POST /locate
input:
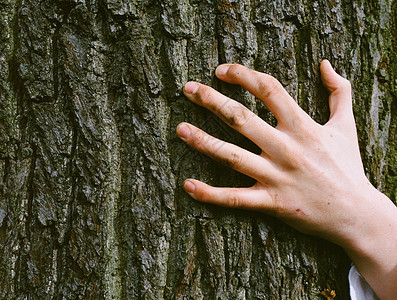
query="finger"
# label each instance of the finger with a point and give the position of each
(253, 198)
(266, 88)
(340, 98)
(228, 154)
(235, 115)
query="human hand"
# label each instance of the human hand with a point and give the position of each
(309, 175)
(306, 172)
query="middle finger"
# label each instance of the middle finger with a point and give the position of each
(235, 115)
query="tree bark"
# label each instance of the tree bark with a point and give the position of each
(91, 204)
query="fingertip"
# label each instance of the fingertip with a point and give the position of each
(233, 73)
(190, 187)
(328, 75)
(190, 87)
(325, 63)
(221, 70)
(326, 67)
(183, 130)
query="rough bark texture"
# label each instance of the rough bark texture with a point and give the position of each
(91, 168)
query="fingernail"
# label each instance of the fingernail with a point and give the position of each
(183, 131)
(326, 61)
(191, 87)
(221, 70)
(189, 186)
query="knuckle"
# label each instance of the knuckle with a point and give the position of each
(239, 116)
(234, 160)
(198, 140)
(343, 85)
(275, 207)
(308, 133)
(234, 71)
(233, 199)
(204, 94)
(268, 85)
(291, 155)
(299, 123)
(204, 195)
(295, 160)
(346, 84)
(291, 160)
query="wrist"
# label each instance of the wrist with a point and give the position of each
(375, 227)
(373, 246)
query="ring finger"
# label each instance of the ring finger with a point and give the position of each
(228, 154)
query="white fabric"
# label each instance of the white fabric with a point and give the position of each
(359, 288)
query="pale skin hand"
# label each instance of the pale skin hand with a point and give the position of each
(309, 175)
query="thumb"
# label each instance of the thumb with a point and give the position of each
(340, 98)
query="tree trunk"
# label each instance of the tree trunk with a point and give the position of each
(91, 204)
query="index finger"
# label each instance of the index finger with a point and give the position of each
(266, 88)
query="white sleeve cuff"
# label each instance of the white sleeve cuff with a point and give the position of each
(359, 288)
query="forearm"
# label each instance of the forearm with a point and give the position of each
(374, 249)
